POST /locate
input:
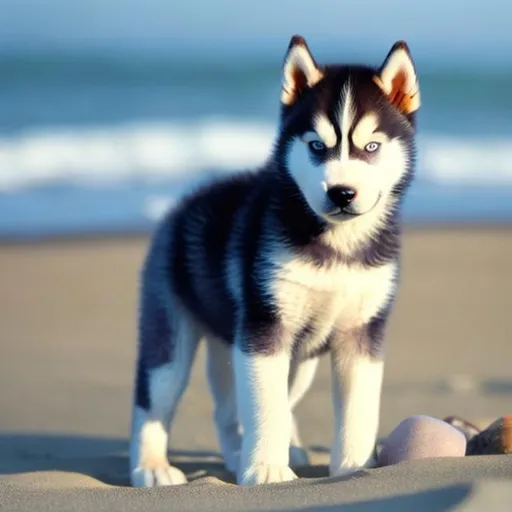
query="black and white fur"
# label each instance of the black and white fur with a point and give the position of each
(278, 266)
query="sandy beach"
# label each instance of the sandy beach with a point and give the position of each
(67, 349)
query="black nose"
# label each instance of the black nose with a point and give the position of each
(341, 196)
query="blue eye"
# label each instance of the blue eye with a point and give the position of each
(317, 146)
(371, 147)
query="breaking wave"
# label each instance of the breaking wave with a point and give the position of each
(149, 151)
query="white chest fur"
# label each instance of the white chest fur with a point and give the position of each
(339, 295)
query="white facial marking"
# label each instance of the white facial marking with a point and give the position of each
(346, 118)
(325, 130)
(364, 131)
(356, 397)
(308, 176)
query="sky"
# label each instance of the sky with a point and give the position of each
(435, 29)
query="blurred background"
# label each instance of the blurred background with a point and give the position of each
(110, 109)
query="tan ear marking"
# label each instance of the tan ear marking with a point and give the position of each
(397, 79)
(300, 70)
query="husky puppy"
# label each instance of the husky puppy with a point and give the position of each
(274, 268)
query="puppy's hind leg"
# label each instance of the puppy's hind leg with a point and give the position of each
(167, 346)
(300, 380)
(219, 369)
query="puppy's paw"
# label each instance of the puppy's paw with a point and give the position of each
(157, 476)
(348, 468)
(298, 456)
(344, 470)
(345, 465)
(266, 474)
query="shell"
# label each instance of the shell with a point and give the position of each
(466, 427)
(496, 439)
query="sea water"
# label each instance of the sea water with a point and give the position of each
(94, 143)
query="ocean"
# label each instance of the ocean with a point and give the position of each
(93, 144)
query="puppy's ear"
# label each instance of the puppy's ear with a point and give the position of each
(300, 71)
(398, 80)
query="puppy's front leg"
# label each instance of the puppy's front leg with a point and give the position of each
(264, 411)
(357, 382)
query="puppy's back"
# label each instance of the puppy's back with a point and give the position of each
(189, 250)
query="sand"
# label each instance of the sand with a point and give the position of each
(67, 349)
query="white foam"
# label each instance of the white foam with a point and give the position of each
(95, 156)
(99, 155)
(469, 161)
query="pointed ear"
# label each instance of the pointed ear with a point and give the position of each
(398, 80)
(300, 71)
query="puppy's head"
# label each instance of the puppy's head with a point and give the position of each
(346, 134)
